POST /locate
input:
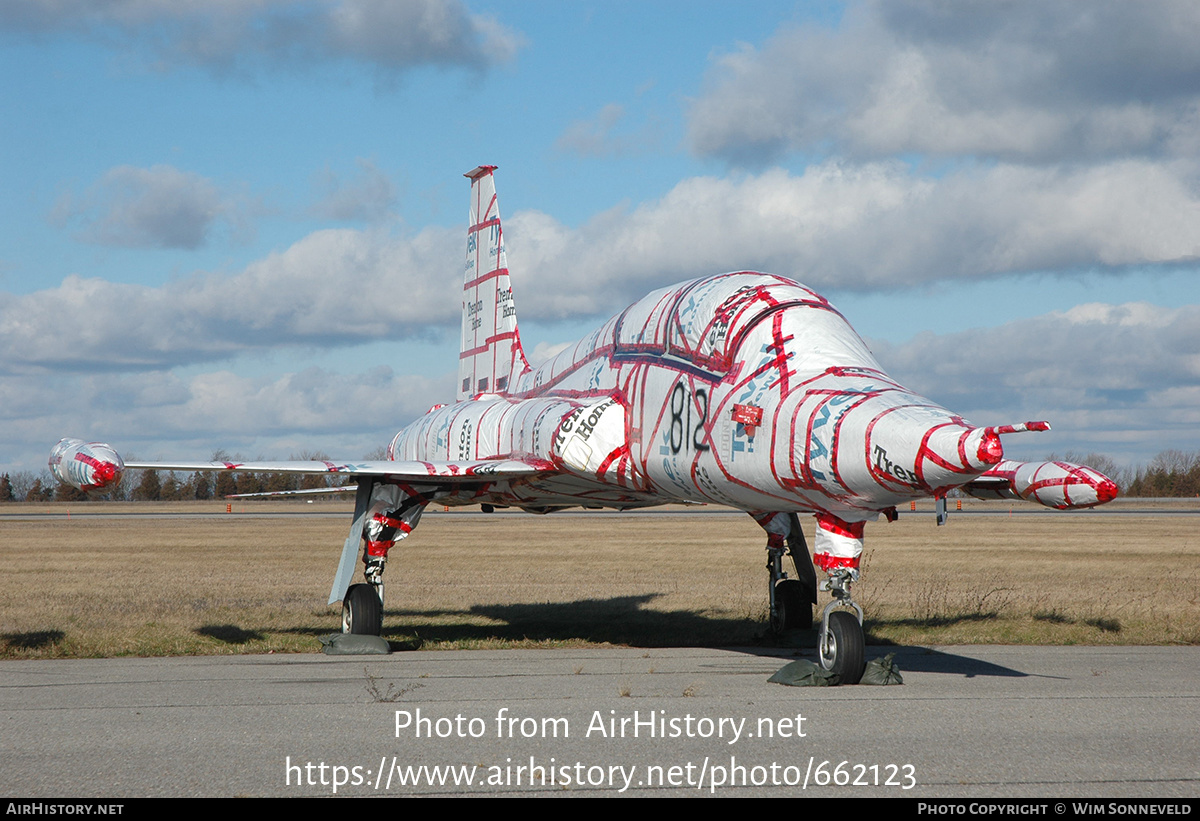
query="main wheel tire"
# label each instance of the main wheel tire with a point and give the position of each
(362, 612)
(844, 653)
(792, 609)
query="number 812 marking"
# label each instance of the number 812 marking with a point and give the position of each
(682, 401)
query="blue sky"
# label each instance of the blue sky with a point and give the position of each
(238, 224)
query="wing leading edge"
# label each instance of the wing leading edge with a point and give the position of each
(483, 469)
(96, 465)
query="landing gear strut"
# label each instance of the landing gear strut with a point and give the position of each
(791, 599)
(384, 514)
(373, 573)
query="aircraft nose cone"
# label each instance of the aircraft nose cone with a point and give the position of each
(915, 449)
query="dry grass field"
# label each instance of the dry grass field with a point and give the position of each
(95, 585)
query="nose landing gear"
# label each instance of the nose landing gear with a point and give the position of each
(841, 645)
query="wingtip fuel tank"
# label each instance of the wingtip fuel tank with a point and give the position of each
(86, 465)
(1060, 485)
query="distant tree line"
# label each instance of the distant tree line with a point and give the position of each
(1171, 473)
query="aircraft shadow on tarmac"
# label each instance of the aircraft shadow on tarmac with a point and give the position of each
(31, 641)
(230, 633)
(616, 620)
(626, 620)
(929, 660)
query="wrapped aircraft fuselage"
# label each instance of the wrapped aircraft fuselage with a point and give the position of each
(744, 389)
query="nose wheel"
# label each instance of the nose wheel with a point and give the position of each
(841, 647)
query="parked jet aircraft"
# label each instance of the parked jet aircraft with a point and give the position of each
(742, 389)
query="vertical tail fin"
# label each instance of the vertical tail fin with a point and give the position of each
(491, 357)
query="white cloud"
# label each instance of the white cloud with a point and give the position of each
(156, 207)
(367, 196)
(1120, 379)
(401, 34)
(242, 35)
(332, 287)
(606, 134)
(1032, 82)
(861, 226)
(545, 351)
(160, 415)
(836, 226)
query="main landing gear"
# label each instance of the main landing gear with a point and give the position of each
(389, 514)
(791, 600)
(362, 609)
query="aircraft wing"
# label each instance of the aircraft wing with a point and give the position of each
(414, 471)
(95, 465)
(298, 492)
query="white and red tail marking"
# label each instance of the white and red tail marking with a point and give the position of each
(491, 358)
